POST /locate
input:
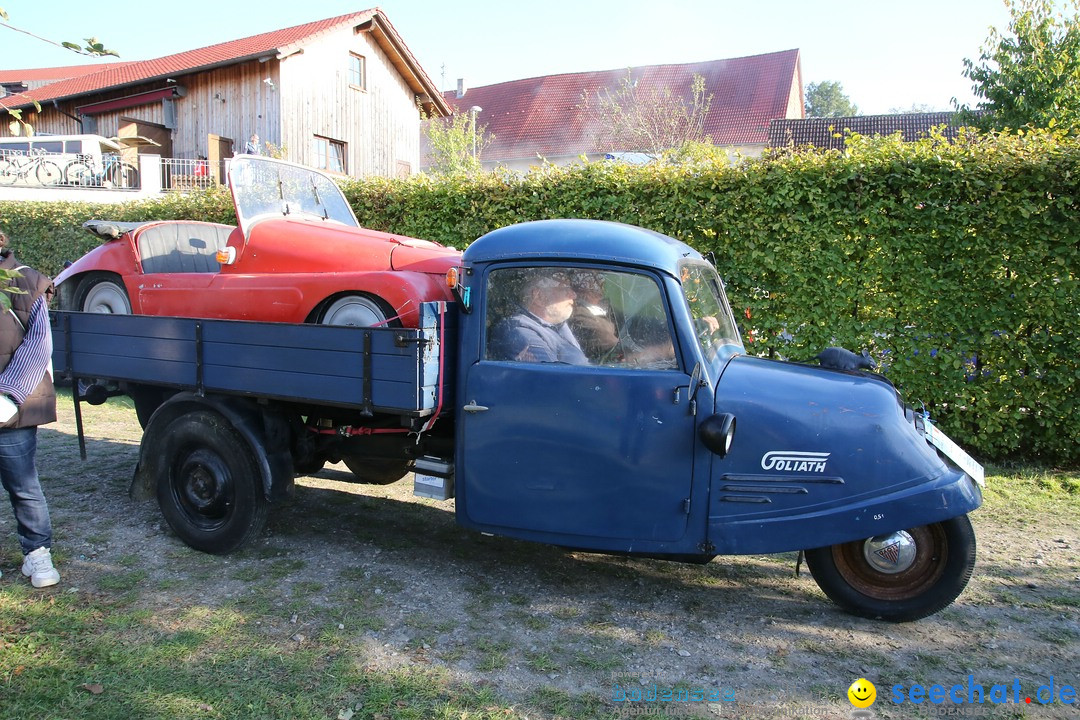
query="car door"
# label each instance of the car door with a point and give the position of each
(594, 442)
(181, 276)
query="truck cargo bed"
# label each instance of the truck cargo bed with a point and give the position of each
(386, 370)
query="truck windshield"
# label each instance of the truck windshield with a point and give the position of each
(713, 322)
(264, 187)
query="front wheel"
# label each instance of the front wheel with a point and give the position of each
(102, 292)
(210, 490)
(901, 576)
(49, 173)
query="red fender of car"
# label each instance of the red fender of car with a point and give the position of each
(115, 256)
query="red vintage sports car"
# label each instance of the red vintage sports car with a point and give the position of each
(298, 255)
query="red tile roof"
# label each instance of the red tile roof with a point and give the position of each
(117, 75)
(542, 116)
(192, 60)
(37, 75)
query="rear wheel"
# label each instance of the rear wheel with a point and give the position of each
(210, 491)
(901, 576)
(102, 292)
(355, 311)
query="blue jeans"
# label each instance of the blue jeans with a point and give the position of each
(18, 472)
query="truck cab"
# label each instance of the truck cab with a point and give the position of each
(606, 402)
(599, 450)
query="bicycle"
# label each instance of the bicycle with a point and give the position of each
(80, 171)
(115, 172)
(17, 167)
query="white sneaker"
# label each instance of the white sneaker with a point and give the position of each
(39, 568)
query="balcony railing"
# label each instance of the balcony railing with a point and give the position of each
(41, 169)
(109, 172)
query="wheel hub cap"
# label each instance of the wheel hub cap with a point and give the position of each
(890, 554)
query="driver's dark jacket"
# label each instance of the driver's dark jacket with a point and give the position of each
(526, 338)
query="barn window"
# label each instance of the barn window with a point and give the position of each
(357, 71)
(330, 155)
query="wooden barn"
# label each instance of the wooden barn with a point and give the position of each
(344, 94)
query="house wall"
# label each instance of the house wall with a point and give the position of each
(381, 125)
(233, 102)
(795, 107)
(48, 121)
(309, 94)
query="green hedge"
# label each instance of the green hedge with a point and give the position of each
(46, 235)
(955, 264)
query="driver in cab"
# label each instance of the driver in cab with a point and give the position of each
(538, 330)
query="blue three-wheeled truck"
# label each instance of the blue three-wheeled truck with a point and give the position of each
(628, 421)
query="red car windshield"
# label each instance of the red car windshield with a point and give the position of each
(263, 187)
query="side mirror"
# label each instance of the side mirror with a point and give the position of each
(717, 433)
(695, 381)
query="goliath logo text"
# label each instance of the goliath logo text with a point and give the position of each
(794, 461)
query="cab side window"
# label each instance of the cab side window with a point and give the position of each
(578, 316)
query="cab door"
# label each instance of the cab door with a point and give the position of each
(597, 443)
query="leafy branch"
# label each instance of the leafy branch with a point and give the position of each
(92, 47)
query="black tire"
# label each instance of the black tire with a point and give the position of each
(210, 490)
(376, 471)
(933, 575)
(101, 292)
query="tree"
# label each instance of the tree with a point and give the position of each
(827, 99)
(92, 47)
(456, 144)
(915, 108)
(644, 118)
(1031, 76)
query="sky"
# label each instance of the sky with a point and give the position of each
(886, 55)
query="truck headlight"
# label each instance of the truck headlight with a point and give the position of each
(717, 433)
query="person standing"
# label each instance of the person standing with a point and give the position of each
(27, 399)
(252, 147)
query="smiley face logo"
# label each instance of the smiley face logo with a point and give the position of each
(862, 693)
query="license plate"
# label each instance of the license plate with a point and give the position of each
(955, 453)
